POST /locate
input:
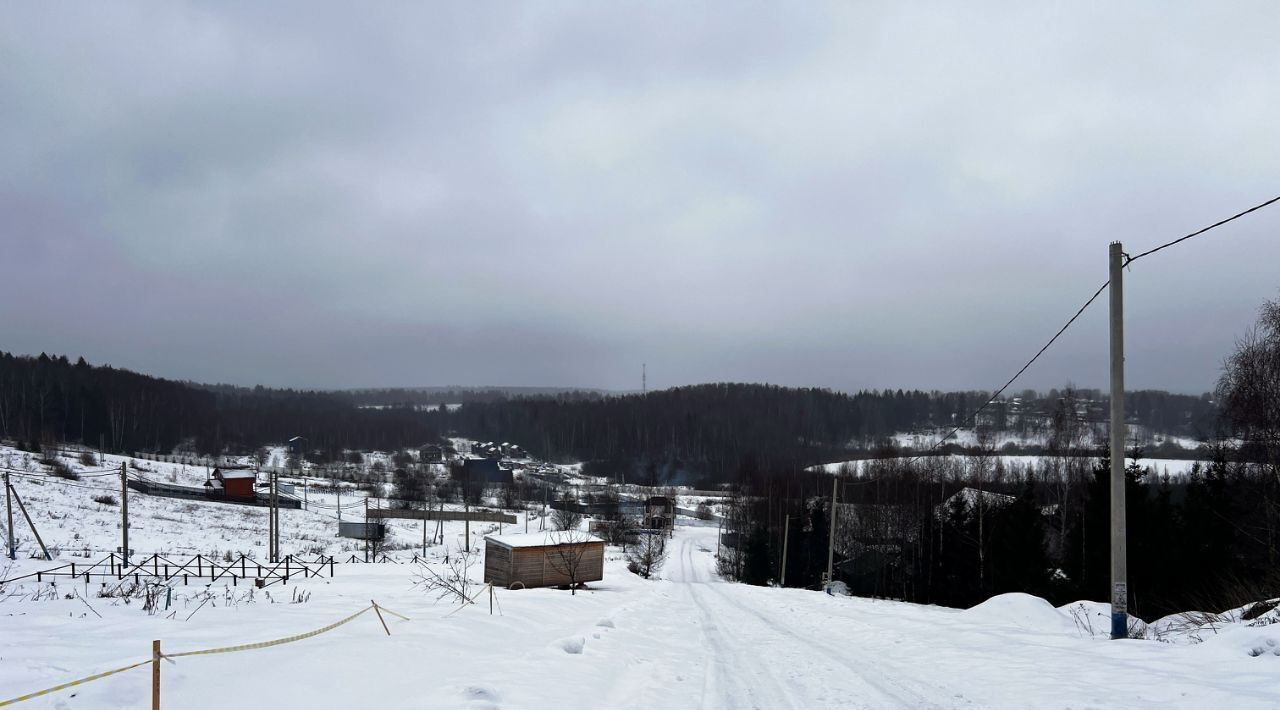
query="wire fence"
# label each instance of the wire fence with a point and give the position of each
(157, 655)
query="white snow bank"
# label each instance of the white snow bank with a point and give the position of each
(1023, 610)
(1261, 642)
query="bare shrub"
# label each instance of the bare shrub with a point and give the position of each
(106, 500)
(61, 470)
(452, 582)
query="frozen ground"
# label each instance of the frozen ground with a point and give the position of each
(687, 640)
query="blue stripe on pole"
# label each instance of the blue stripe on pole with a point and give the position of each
(1119, 626)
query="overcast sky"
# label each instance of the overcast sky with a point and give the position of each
(849, 195)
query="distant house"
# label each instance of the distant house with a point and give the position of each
(659, 512)
(484, 471)
(233, 483)
(545, 559)
(432, 454)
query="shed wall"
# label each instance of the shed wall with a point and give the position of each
(540, 566)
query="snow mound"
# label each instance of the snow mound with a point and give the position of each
(1022, 610)
(1261, 642)
(572, 645)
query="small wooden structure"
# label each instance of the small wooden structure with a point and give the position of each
(234, 483)
(362, 530)
(544, 559)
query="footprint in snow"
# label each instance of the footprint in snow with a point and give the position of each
(482, 697)
(572, 645)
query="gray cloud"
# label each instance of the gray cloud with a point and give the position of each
(869, 195)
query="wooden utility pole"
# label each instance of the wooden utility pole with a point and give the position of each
(30, 524)
(466, 507)
(8, 506)
(831, 538)
(1119, 576)
(786, 534)
(124, 515)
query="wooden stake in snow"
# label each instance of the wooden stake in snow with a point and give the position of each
(155, 675)
(379, 613)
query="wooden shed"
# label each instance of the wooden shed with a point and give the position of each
(544, 559)
(234, 483)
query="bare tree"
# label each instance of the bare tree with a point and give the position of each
(1249, 393)
(645, 557)
(568, 555)
(567, 516)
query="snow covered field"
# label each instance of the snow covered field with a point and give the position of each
(73, 523)
(687, 640)
(919, 441)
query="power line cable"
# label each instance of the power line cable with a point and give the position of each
(1018, 374)
(55, 479)
(1094, 297)
(1198, 232)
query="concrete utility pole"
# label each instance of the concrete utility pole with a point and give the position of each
(786, 534)
(1119, 582)
(831, 539)
(8, 506)
(124, 515)
(275, 522)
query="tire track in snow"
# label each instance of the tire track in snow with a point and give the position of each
(893, 686)
(757, 662)
(734, 673)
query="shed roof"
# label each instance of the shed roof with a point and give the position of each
(543, 539)
(226, 475)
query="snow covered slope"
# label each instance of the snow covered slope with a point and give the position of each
(687, 640)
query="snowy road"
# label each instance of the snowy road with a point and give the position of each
(763, 659)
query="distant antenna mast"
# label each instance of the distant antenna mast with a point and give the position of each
(644, 378)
